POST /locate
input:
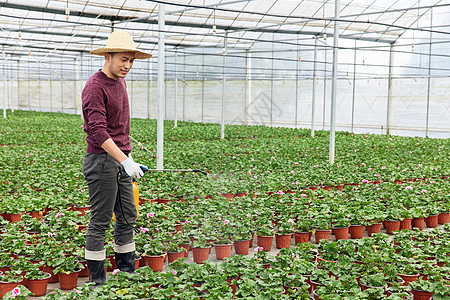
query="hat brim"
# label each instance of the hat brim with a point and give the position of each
(139, 54)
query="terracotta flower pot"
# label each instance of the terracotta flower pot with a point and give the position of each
(302, 237)
(421, 295)
(444, 218)
(54, 278)
(200, 254)
(82, 209)
(241, 247)
(322, 234)
(229, 196)
(233, 286)
(13, 218)
(283, 241)
(39, 286)
(8, 286)
(84, 272)
(405, 223)
(418, 223)
(155, 262)
(356, 231)
(265, 242)
(391, 226)
(432, 221)
(341, 233)
(173, 256)
(36, 214)
(186, 246)
(374, 228)
(222, 251)
(68, 281)
(408, 278)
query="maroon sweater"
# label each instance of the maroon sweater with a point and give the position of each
(106, 113)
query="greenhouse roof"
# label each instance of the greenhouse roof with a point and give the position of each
(73, 26)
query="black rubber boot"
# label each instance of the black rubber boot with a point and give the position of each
(126, 262)
(97, 272)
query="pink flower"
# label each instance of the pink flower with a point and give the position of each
(420, 165)
(174, 272)
(315, 166)
(249, 215)
(115, 271)
(424, 191)
(16, 292)
(410, 152)
(303, 195)
(280, 192)
(409, 187)
(79, 292)
(144, 230)
(292, 172)
(226, 222)
(390, 139)
(252, 159)
(363, 164)
(59, 215)
(257, 249)
(370, 169)
(290, 221)
(404, 170)
(53, 160)
(378, 189)
(272, 157)
(296, 163)
(187, 222)
(383, 168)
(365, 181)
(150, 215)
(432, 181)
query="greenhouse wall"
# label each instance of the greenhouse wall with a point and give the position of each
(266, 102)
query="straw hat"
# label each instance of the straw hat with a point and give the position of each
(121, 41)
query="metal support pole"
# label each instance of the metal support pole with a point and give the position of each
(324, 88)
(203, 84)
(429, 74)
(334, 83)
(271, 81)
(388, 109)
(62, 85)
(248, 85)
(184, 82)
(176, 90)
(313, 102)
(354, 88)
(4, 82)
(39, 84)
(77, 77)
(297, 71)
(224, 82)
(150, 84)
(161, 88)
(29, 84)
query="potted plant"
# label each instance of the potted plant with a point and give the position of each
(9, 280)
(302, 230)
(264, 232)
(200, 248)
(241, 239)
(284, 233)
(68, 269)
(433, 287)
(153, 252)
(37, 281)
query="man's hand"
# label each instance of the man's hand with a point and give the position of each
(133, 169)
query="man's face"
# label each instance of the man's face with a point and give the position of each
(119, 64)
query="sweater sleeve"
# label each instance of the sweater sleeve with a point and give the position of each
(95, 108)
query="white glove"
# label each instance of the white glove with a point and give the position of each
(133, 169)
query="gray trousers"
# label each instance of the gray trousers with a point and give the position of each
(105, 185)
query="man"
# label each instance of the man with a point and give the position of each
(108, 166)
